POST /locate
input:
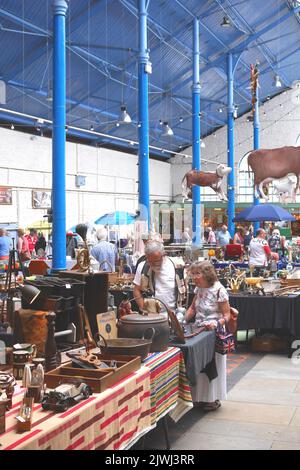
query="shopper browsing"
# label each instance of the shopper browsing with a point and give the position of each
(210, 307)
(157, 276)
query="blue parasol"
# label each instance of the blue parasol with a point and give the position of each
(263, 213)
(116, 218)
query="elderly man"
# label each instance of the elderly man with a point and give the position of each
(260, 252)
(223, 236)
(104, 252)
(157, 275)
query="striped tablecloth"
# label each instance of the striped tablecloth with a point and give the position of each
(170, 390)
(109, 420)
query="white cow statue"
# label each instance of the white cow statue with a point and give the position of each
(285, 188)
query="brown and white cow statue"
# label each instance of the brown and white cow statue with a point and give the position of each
(270, 164)
(205, 178)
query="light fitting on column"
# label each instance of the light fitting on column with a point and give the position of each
(124, 117)
(167, 130)
(12, 127)
(202, 143)
(277, 81)
(235, 112)
(225, 23)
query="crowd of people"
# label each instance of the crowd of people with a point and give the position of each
(28, 245)
(272, 239)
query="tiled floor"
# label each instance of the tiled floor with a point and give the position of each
(262, 410)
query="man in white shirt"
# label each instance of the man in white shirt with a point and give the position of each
(260, 252)
(156, 275)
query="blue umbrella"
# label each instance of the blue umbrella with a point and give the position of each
(262, 213)
(116, 218)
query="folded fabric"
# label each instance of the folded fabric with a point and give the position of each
(211, 370)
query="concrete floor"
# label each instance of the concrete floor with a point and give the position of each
(262, 410)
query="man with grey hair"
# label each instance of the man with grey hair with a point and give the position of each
(104, 251)
(156, 275)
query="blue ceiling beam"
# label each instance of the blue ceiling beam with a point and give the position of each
(262, 47)
(236, 49)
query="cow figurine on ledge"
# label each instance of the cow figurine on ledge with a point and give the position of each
(205, 178)
(270, 164)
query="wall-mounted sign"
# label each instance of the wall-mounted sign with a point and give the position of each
(5, 195)
(41, 199)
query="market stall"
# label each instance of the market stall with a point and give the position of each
(111, 420)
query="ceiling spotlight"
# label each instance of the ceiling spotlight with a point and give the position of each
(268, 98)
(202, 143)
(92, 128)
(124, 117)
(12, 127)
(117, 124)
(225, 22)
(277, 81)
(181, 119)
(250, 118)
(167, 130)
(220, 110)
(160, 122)
(214, 135)
(139, 124)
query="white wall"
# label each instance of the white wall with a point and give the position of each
(279, 126)
(111, 176)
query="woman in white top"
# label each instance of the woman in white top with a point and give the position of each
(210, 307)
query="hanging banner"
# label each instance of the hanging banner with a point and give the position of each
(5, 195)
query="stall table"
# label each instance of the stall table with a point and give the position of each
(111, 420)
(267, 312)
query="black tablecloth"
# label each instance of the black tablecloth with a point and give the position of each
(198, 352)
(260, 312)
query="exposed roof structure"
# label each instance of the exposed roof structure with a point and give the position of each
(102, 53)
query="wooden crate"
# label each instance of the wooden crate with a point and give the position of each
(99, 380)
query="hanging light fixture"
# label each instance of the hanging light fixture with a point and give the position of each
(277, 82)
(167, 130)
(225, 23)
(124, 117)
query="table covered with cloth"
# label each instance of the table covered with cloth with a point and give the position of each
(198, 352)
(110, 420)
(267, 312)
(170, 390)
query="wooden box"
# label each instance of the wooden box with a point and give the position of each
(99, 380)
(24, 422)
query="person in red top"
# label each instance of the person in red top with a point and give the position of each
(32, 238)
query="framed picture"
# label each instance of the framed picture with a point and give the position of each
(5, 195)
(41, 199)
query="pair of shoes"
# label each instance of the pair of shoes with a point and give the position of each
(213, 406)
(199, 404)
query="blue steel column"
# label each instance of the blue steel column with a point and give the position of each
(144, 200)
(256, 126)
(230, 147)
(196, 208)
(59, 136)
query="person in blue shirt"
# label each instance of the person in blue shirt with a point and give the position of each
(223, 236)
(5, 244)
(104, 252)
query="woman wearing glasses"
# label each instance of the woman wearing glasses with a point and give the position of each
(209, 308)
